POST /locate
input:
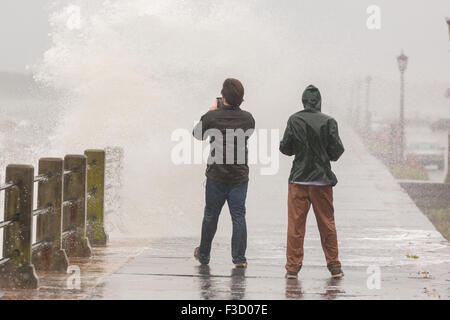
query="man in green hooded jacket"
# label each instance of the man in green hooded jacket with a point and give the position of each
(313, 138)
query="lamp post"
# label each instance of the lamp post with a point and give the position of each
(351, 105)
(367, 111)
(358, 124)
(402, 61)
(448, 23)
(447, 178)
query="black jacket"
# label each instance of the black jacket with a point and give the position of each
(228, 160)
(314, 140)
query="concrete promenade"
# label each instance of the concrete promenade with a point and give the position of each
(379, 229)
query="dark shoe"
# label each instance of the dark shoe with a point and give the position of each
(241, 265)
(291, 275)
(196, 256)
(336, 273)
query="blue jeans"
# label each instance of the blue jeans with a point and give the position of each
(216, 194)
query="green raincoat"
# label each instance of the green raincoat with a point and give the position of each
(314, 140)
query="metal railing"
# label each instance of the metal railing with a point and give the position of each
(10, 220)
(69, 216)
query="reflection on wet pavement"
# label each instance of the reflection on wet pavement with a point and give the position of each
(207, 289)
(238, 283)
(333, 288)
(209, 286)
(294, 289)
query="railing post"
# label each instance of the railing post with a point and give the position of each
(75, 243)
(51, 257)
(96, 197)
(113, 187)
(19, 272)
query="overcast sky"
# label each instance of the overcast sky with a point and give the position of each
(24, 32)
(337, 27)
(335, 43)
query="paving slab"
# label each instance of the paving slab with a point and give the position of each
(380, 231)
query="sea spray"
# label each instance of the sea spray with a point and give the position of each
(134, 71)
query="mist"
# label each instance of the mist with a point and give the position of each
(129, 73)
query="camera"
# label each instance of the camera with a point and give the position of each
(219, 102)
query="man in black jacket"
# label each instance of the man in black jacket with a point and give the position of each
(228, 127)
(313, 138)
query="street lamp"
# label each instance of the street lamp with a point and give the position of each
(447, 178)
(367, 111)
(402, 61)
(358, 123)
(448, 23)
(447, 93)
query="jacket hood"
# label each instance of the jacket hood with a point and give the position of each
(312, 100)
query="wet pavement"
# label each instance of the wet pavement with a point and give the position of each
(155, 276)
(83, 275)
(380, 230)
(382, 236)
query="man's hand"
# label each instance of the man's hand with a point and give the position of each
(214, 107)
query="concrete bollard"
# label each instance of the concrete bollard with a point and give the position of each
(51, 257)
(75, 242)
(96, 197)
(114, 220)
(447, 178)
(18, 271)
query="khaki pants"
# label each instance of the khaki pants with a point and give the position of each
(300, 198)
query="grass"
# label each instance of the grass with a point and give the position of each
(406, 172)
(410, 169)
(441, 220)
